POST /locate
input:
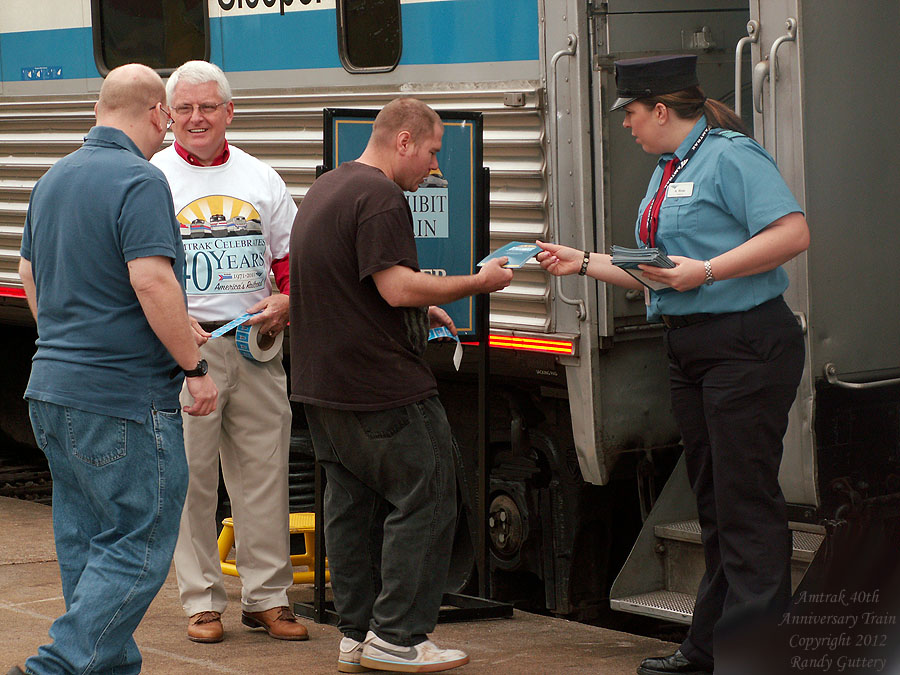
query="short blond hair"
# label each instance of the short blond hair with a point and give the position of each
(404, 114)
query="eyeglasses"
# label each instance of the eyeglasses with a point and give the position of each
(169, 120)
(204, 108)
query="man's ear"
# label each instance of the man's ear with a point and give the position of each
(157, 120)
(404, 141)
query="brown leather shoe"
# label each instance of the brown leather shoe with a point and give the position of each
(206, 627)
(279, 622)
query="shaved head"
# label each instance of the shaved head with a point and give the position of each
(130, 90)
(130, 99)
(404, 114)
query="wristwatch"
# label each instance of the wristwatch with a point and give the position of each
(199, 371)
(707, 268)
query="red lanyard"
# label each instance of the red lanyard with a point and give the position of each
(650, 219)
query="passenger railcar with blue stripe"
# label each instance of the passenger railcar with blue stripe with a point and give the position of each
(582, 436)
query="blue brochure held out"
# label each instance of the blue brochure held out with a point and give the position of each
(518, 253)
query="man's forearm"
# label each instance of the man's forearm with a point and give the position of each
(424, 289)
(401, 286)
(162, 300)
(171, 325)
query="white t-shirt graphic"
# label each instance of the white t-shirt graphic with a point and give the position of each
(235, 220)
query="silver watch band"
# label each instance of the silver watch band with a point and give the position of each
(707, 267)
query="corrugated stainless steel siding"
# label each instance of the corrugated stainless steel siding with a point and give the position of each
(286, 131)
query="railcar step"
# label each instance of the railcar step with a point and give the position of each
(661, 604)
(807, 538)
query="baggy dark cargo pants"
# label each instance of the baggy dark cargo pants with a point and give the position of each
(390, 513)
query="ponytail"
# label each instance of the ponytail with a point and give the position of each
(692, 102)
(720, 115)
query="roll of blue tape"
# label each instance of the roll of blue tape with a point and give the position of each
(252, 347)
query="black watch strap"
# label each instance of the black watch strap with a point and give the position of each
(199, 371)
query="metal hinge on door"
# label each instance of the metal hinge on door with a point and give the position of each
(595, 7)
(597, 27)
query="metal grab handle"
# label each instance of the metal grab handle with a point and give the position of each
(791, 26)
(752, 37)
(554, 163)
(832, 377)
(760, 73)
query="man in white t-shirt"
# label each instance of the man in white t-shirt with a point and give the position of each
(236, 216)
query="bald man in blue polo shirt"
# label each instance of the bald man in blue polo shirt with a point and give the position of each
(102, 266)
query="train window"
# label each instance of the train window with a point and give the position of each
(369, 35)
(162, 34)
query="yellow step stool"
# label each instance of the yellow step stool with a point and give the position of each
(300, 523)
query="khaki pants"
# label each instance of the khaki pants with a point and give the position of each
(250, 433)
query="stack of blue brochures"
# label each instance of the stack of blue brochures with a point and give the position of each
(629, 259)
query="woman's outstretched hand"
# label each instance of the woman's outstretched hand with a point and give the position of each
(559, 260)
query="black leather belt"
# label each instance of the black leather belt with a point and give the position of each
(210, 326)
(682, 320)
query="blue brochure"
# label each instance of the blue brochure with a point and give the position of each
(518, 253)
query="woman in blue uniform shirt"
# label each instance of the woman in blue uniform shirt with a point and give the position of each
(719, 208)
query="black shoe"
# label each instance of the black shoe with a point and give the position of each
(673, 663)
(15, 670)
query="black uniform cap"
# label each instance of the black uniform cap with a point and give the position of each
(653, 75)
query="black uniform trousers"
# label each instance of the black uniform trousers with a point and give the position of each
(733, 380)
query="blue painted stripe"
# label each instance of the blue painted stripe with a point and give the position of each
(470, 31)
(463, 31)
(66, 53)
(296, 40)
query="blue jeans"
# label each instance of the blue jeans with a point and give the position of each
(390, 514)
(118, 490)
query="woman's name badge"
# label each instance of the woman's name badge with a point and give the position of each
(679, 190)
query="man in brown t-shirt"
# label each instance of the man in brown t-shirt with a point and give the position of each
(360, 313)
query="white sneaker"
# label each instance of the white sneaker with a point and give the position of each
(348, 661)
(425, 657)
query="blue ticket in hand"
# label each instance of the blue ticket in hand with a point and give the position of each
(444, 332)
(518, 253)
(441, 332)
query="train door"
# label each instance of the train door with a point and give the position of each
(622, 29)
(827, 121)
(776, 110)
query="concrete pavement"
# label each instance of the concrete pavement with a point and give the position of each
(31, 597)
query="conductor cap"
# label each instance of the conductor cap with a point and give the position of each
(653, 75)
